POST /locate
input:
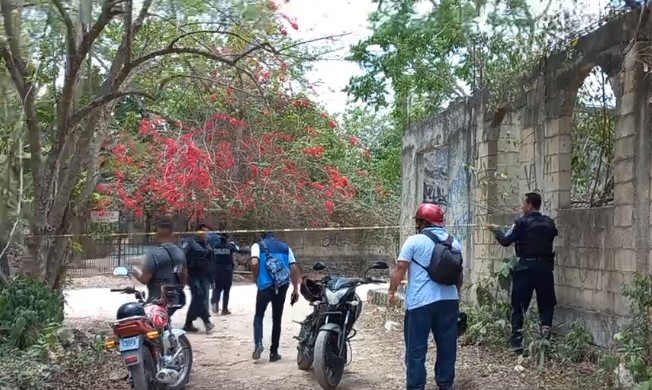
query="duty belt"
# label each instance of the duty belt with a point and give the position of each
(534, 259)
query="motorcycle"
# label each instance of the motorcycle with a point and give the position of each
(157, 356)
(324, 338)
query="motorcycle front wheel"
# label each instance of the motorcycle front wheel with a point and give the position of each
(186, 363)
(329, 369)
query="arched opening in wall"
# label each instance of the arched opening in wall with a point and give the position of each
(592, 141)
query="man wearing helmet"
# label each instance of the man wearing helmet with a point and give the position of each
(532, 235)
(430, 306)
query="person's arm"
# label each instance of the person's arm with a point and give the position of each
(149, 265)
(255, 259)
(510, 236)
(294, 270)
(402, 265)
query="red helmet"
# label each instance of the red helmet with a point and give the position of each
(431, 213)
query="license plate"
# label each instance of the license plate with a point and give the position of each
(129, 344)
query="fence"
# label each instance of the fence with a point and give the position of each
(345, 251)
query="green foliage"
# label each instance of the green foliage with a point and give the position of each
(635, 340)
(28, 310)
(592, 135)
(489, 319)
(421, 56)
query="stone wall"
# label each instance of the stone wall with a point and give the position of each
(526, 146)
(346, 252)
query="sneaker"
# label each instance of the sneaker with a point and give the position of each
(225, 312)
(257, 352)
(215, 309)
(190, 328)
(274, 357)
(209, 326)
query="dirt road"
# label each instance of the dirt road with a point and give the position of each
(223, 359)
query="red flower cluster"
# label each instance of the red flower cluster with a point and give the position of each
(202, 170)
(317, 151)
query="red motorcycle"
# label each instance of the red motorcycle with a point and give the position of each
(157, 356)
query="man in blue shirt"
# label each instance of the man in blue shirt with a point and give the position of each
(430, 306)
(270, 291)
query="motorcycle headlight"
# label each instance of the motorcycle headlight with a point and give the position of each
(334, 298)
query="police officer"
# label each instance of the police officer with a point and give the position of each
(198, 256)
(533, 235)
(222, 262)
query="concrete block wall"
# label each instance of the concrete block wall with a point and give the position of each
(600, 249)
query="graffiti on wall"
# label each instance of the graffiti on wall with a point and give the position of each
(435, 177)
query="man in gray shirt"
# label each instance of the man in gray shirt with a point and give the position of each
(164, 266)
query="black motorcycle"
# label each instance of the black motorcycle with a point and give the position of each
(325, 334)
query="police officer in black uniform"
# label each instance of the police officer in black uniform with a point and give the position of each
(198, 257)
(222, 262)
(532, 235)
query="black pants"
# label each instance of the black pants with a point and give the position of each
(199, 290)
(537, 277)
(263, 298)
(223, 279)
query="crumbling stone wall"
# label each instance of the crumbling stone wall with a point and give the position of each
(526, 146)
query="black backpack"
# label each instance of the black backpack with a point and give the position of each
(445, 265)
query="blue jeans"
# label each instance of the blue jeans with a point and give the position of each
(277, 298)
(440, 318)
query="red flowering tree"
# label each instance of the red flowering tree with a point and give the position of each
(241, 144)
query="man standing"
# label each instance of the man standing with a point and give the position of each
(274, 267)
(164, 266)
(533, 235)
(198, 254)
(222, 261)
(431, 307)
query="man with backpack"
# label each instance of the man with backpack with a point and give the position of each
(434, 260)
(274, 267)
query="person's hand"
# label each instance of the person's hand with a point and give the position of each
(491, 227)
(295, 297)
(392, 299)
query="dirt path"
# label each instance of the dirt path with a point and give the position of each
(223, 359)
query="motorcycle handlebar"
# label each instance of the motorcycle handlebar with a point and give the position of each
(126, 290)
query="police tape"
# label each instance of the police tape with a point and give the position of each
(248, 231)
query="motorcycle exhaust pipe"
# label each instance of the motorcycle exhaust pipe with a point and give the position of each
(167, 376)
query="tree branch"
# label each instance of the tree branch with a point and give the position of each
(70, 34)
(195, 77)
(16, 66)
(75, 58)
(128, 68)
(97, 102)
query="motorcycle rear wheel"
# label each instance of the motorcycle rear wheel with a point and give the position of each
(142, 374)
(328, 369)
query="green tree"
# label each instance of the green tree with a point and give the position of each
(421, 56)
(70, 63)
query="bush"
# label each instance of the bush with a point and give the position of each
(28, 309)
